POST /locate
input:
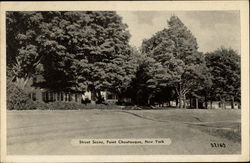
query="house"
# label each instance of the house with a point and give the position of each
(45, 95)
(218, 105)
(107, 96)
(38, 93)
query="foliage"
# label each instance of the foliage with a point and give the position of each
(150, 79)
(69, 106)
(176, 49)
(224, 66)
(22, 52)
(17, 98)
(89, 51)
(71, 50)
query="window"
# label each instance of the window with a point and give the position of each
(61, 96)
(58, 96)
(34, 96)
(66, 96)
(47, 96)
(70, 98)
(110, 96)
(51, 96)
(75, 97)
(43, 96)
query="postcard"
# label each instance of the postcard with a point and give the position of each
(125, 81)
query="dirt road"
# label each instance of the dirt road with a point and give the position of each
(51, 132)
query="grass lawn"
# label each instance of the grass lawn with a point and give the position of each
(191, 130)
(222, 123)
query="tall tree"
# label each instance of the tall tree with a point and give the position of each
(176, 49)
(22, 52)
(224, 65)
(105, 60)
(149, 80)
(81, 51)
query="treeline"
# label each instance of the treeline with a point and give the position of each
(89, 51)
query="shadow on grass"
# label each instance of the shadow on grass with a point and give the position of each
(230, 131)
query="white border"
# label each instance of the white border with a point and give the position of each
(242, 6)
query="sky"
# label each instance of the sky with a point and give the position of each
(212, 29)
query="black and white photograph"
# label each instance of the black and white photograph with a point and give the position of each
(123, 82)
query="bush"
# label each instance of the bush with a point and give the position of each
(41, 105)
(86, 101)
(64, 106)
(102, 106)
(132, 108)
(18, 99)
(71, 106)
(57, 105)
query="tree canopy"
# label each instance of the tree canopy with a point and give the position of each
(90, 51)
(72, 50)
(224, 66)
(176, 49)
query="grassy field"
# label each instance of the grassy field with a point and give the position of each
(192, 131)
(222, 123)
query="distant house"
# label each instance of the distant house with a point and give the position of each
(46, 95)
(218, 105)
(107, 96)
(38, 93)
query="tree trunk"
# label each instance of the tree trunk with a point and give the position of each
(196, 103)
(176, 101)
(149, 99)
(137, 98)
(232, 97)
(180, 101)
(211, 104)
(99, 96)
(184, 101)
(93, 96)
(222, 103)
(206, 102)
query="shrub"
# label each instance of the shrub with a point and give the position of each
(132, 108)
(64, 105)
(70, 106)
(86, 101)
(18, 99)
(41, 105)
